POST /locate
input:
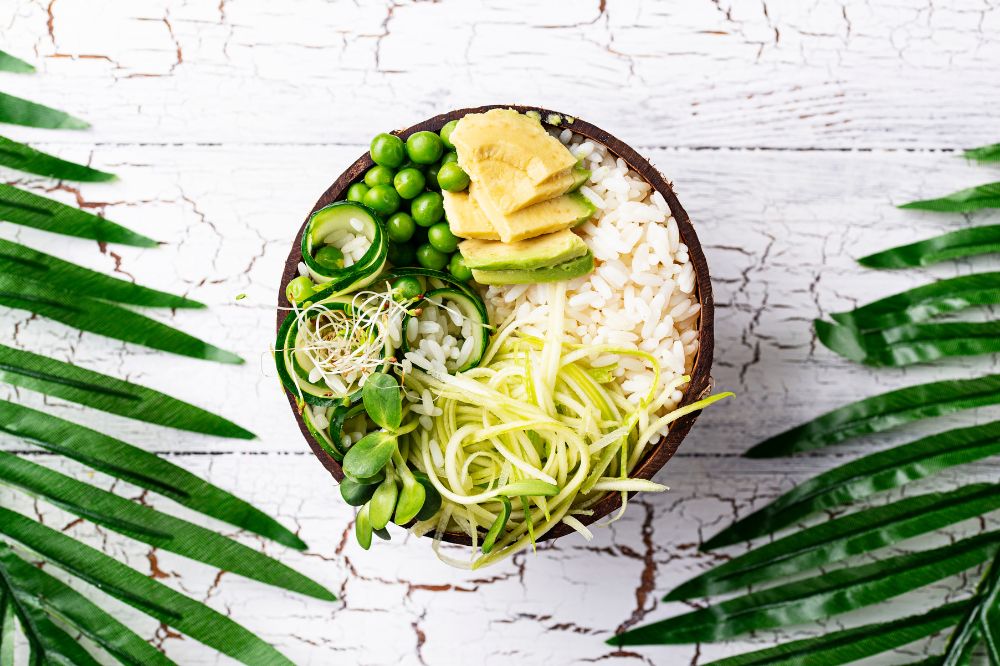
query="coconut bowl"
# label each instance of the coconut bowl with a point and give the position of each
(658, 455)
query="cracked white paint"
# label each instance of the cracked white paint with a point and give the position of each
(227, 121)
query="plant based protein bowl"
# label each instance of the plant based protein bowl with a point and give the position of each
(494, 329)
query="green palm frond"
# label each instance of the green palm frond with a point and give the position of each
(9, 63)
(109, 394)
(89, 314)
(61, 623)
(18, 156)
(30, 210)
(26, 262)
(893, 331)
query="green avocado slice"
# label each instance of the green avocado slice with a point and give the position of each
(566, 270)
(539, 252)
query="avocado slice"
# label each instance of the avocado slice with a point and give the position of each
(566, 270)
(465, 218)
(580, 175)
(562, 212)
(541, 252)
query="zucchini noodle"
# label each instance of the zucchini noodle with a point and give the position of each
(536, 409)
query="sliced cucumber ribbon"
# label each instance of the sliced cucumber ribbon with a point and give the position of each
(344, 217)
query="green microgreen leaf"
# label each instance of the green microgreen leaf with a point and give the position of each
(17, 111)
(93, 389)
(528, 487)
(498, 525)
(54, 272)
(9, 63)
(963, 201)
(850, 645)
(383, 502)
(8, 627)
(910, 343)
(363, 528)
(952, 245)
(383, 400)
(18, 156)
(153, 527)
(35, 589)
(984, 154)
(874, 473)
(882, 412)
(88, 314)
(922, 303)
(356, 493)
(30, 210)
(369, 456)
(834, 540)
(432, 498)
(141, 468)
(825, 595)
(412, 496)
(140, 591)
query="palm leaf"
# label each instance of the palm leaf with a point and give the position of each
(963, 201)
(979, 621)
(87, 314)
(953, 245)
(140, 468)
(911, 343)
(153, 527)
(147, 595)
(822, 596)
(17, 111)
(874, 473)
(48, 643)
(66, 276)
(9, 63)
(924, 302)
(25, 158)
(8, 626)
(93, 389)
(989, 153)
(850, 645)
(30, 210)
(44, 595)
(843, 537)
(882, 412)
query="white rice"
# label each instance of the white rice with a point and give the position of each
(641, 295)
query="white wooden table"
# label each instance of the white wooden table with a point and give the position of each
(789, 129)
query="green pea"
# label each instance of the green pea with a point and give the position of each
(429, 257)
(427, 209)
(424, 147)
(441, 238)
(432, 177)
(400, 227)
(357, 192)
(452, 177)
(378, 175)
(407, 288)
(458, 268)
(299, 289)
(450, 156)
(409, 182)
(402, 254)
(382, 199)
(446, 131)
(387, 150)
(330, 257)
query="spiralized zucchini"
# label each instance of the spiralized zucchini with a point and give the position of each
(536, 421)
